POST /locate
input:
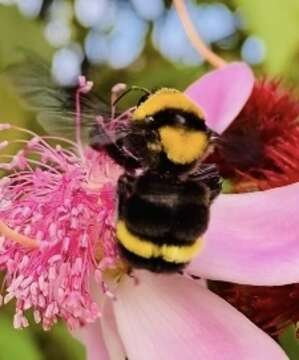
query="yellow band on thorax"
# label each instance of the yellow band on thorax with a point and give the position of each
(147, 249)
(164, 99)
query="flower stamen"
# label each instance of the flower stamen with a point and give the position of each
(53, 216)
(83, 88)
(18, 238)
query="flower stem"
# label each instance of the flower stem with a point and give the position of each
(194, 37)
(16, 237)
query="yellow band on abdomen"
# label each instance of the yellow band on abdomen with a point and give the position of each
(147, 249)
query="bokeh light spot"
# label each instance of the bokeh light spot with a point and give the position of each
(58, 33)
(29, 8)
(149, 10)
(66, 66)
(253, 50)
(90, 12)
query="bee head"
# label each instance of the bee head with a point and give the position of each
(178, 123)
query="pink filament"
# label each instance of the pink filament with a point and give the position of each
(17, 238)
(57, 209)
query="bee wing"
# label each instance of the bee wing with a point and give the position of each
(62, 123)
(58, 123)
(209, 175)
(55, 106)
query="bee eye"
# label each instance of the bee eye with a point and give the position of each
(149, 120)
(180, 120)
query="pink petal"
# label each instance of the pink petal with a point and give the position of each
(222, 94)
(92, 338)
(171, 317)
(111, 336)
(101, 339)
(253, 238)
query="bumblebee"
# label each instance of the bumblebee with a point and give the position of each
(166, 191)
(164, 211)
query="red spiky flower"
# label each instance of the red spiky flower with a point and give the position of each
(271, 308)
(260, 149)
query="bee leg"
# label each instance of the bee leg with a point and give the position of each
(133, 277)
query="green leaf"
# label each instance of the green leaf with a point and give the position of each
(70, 348)
(290, 343)
(16, 344)
(276, 22)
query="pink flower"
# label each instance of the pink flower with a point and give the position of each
(172, 317)
(64, 207)
(67, 204)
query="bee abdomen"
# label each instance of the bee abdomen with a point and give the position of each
(161, 221)
(147, 253)
(157, 265)
(167, 217)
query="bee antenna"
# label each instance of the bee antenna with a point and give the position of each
(130, 89)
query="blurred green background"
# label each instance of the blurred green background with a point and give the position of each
(140, 43)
